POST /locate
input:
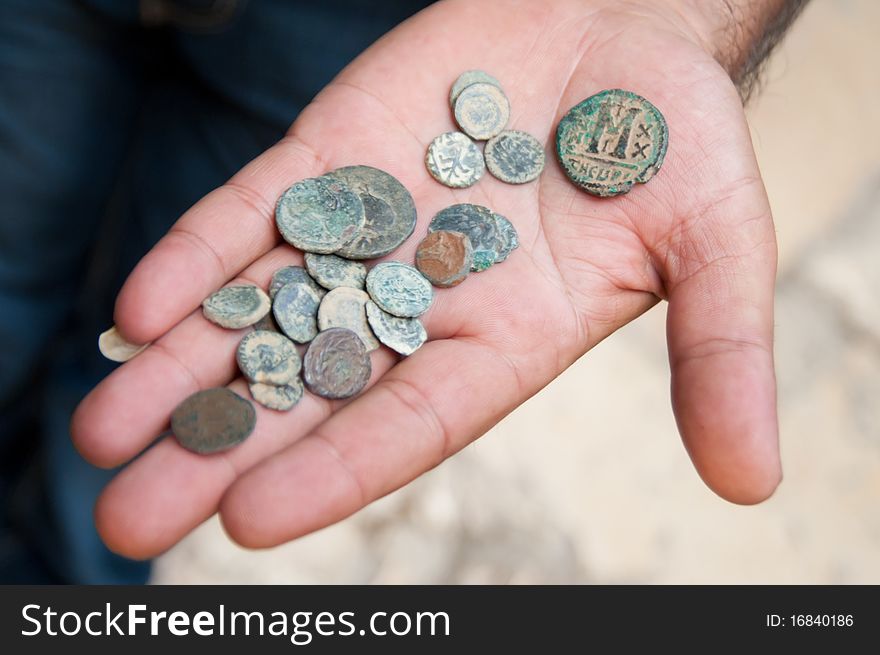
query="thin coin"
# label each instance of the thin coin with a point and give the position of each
(290, 274)
(478, 223)
(319, 214)
(115, 348)
(482, 111)
(403, 335)
(213, 420)
(345, 307)
(280, 398)
(514, 157)
(509, 237)
(466, 79)
(296, 311)
(268, 357)
(237, 306)
(399, 289)
(444, 258)
(331, 271)
(611, 141)
(389, 210)
(336, 364)
(454, 160)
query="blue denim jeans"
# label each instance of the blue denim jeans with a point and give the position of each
(115, 117)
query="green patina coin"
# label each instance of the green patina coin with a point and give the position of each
(399, 289)
(319, 214)
(296, 310)
(468, 78)
(509, 237)
(402, 335)
(454, 160)
(213, 420)
(290, 274)
(268, 357)
(389, 210)
(479, 225)
(345, 307)
(514, 157)
(331, 271)
(336, 364)
(236, 307)
(277, 397)
(610, 141)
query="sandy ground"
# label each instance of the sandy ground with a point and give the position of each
(588, 481)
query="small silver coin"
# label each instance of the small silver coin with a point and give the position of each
(331, 271)
(480, 226)
(514, 157)
(280, 398)
(237, 306)
(290, 274)
(345, 307)
(509, 237)
(454, 160)
(319, 214)
(402, 335)
(296, 311)
(482, 111)
(466, 79)
(336, 365)
(268, 357)
(213, 420)
(399, 289)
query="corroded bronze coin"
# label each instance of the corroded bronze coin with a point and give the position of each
(509, 237)
(115, 348)
(290, 274)
(331, 271)
(478, 223)
(280, 398)
(445, 258)
(296, 311)
(454, 160)
(482, 111)
(389, 209)
(403, 335)
(319, 214)
(344, 307)
(610, 141)
(236, 307)
(514, 157)
(213, 420)
(268, 357)
(267, 323)
(466, 79)
(336, 364)
(399, 289)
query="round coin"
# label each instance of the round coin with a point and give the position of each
(331, 271)
(509, 237)
(115, 348)
(514, 157)
(610, 141)
(296, 310)
(482, 111)
(344, 307)
(399, 289)
(281, 398)
(268, 357)
(319, 214)
(389, 210)
(480, 226)
(454, 160)
(237, 306)
(213, 420)
(444, 258)
(336, 364)
(403, 335)
(466, 79)
(290, 274)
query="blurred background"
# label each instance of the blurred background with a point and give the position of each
(588, 482)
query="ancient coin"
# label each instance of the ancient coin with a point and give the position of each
(344, 307)
(213, 420)
(482, 111)
(267, 323)
(268, 357)
(237, 306)
(399, 289)
(610, 141)
(331, 271)
(336, 365)
(514, 157)
(509, 237)
(290, 274)
(278, 397)
(445, 258)
(319, 214)
(454, 160)
(403, 335)
(466, 79)
(389, 209)
(115, 348)
(296, 311)
(478, 223)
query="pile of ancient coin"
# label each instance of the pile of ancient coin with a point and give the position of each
(481, 110)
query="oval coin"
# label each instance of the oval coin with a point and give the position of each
(115, 348)
(280, 398)
(509, 237)
(336, 364)
(402, 335)
(444, 258)
(319, 214)
(399, 289)
(482, 111)
(290, 274)
(236, 306)
(268, 357)
(344, 307)
(213, 420)
(514, 157)
(331, 271)
(296, 311)
(454, 160)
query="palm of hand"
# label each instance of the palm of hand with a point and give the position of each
(699, 234)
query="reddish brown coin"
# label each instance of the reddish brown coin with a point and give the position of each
(445, 258)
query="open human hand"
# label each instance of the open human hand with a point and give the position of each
(699, 235)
